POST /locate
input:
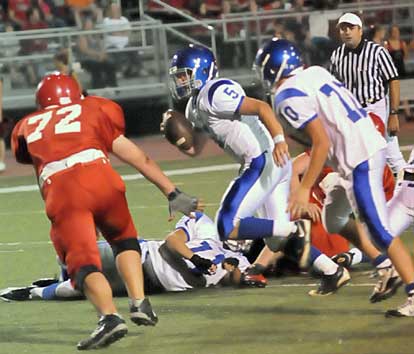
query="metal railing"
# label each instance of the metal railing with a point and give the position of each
(152, 44)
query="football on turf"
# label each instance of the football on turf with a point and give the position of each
(178, 130)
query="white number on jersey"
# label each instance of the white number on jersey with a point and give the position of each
(65, 125)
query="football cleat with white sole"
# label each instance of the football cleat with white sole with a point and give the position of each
(405, 310)
(142, 314)
(110, 329)
(331, 283)
(388, 283)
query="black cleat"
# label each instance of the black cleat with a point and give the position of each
(388, 283)
(43, 282)
(16, 294)
(331, 283)
(110, 329)
(142, 314)
(343, 259)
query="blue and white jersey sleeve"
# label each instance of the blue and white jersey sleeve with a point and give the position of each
(295, 106)
(199, 228)
(222, 97)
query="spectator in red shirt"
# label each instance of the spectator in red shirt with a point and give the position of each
(17, 12)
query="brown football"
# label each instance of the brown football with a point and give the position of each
(178, 130)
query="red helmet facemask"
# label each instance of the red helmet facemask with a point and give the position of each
(57, 89)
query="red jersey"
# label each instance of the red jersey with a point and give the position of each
(57, 132)
(20, 8)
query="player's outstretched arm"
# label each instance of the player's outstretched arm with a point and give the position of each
(130, 153)
(319, 152)
(176, 241)
(299, 199)
(251, 106)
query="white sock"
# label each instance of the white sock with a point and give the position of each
(384, 264)
(283, 229)
(135, 302)
(325, 265)
(357, 255)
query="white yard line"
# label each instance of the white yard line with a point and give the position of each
(131, 207)
(179, 172)
(314, 284)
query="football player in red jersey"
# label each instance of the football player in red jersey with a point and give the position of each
(68, 140)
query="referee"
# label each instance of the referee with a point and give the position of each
(368, 71)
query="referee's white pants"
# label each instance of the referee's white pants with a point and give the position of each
(394, 157)
(401, 207)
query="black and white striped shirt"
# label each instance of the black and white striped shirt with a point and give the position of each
(365, 70)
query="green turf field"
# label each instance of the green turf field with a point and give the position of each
(278, 319)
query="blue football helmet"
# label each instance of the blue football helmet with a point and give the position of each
(276, 60)
(190, 70)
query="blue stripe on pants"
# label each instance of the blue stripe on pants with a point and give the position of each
(236, 194)
(367, 208)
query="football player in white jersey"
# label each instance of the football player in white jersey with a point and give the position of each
(201, 239)
(313, 102)
(248, 130)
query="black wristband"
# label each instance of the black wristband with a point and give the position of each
(393, 111)
(173, 194)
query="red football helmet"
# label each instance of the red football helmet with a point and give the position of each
(57, 89)
(379, 124)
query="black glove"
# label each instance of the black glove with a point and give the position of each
(201, 263)
(179, 201)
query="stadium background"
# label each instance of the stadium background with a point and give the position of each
(278, 319)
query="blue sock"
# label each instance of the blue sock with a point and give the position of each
(365, 259)
(381, 258)
(314, 253)
(64, 274)
(49, 292)
(409, 289)
(255, 228)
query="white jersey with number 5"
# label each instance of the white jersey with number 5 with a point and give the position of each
(216, 111)
(315, 93)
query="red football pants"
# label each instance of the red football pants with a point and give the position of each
(78, 200)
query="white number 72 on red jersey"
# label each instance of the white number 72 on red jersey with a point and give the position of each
(65, 125)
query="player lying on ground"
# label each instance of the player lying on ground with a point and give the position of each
(202, 262)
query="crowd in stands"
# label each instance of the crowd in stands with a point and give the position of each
(315, 33)
(111, 56)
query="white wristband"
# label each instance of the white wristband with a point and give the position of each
(278, 138)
